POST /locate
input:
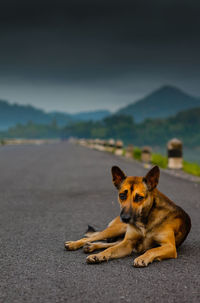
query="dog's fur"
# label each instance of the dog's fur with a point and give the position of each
(150, 223)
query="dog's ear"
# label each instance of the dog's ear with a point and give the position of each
(118, 176)
(152, 177)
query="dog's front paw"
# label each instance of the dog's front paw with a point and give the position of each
(140, 262)
(71, 245)
(95, 259)
(88, 247)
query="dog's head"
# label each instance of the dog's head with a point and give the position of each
(135, 193)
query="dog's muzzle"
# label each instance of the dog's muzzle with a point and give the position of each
(125, 216)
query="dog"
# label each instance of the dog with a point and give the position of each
(149, 223)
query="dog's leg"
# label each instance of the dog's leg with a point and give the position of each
(90, 247)
(122, 249)
(167, 250)
(114, 229)
(159, 253)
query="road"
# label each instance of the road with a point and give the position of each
(49, 194)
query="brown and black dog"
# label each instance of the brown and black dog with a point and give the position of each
(150, 223)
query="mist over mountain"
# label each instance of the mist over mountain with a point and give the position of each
(12, 114)
(162, 103)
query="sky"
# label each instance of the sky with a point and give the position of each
(80, 55)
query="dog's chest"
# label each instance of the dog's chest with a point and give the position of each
(145, 240)
(141, 228)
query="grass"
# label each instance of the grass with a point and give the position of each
(159, 160)
(162, 161)
(191, 168)
(137, 152)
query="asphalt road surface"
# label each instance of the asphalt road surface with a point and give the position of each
(49, 194)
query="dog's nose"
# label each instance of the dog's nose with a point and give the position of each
(125, 217)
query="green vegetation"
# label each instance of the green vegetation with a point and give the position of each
(137, 152)
(191, 168)
(156, 159)
(159, 160)
(113, 151)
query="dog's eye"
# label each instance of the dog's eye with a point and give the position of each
(138, 198)
(123, 196)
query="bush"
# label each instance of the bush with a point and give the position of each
(159, 160)
(191, 168)
(124, 152)
(137, 153)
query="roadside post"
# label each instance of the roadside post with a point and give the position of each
(146, 156)
(175, 154)
(111, 145)
(119, 148)
(129, 151)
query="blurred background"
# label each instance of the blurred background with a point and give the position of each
(127, 70)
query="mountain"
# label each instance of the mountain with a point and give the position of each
(12, 114)
(164, 102)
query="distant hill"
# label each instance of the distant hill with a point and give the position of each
(184, 125)
(164, 102)
(12, 114)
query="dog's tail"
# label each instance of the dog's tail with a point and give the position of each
(90, 231)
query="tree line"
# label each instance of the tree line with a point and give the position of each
(185, 125)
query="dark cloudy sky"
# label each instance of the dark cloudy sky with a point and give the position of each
(76, 55)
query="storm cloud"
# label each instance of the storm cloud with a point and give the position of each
(79, 55)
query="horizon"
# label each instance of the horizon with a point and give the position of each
(101, 109)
